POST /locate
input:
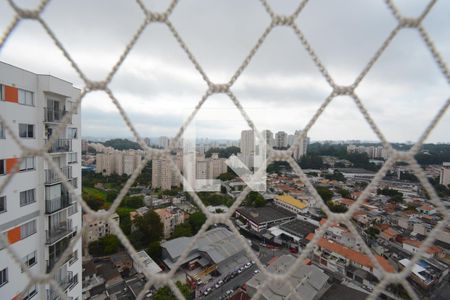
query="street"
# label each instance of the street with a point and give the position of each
(233, 284)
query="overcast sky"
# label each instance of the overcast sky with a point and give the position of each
(281, 88)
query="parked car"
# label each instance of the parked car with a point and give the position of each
(247, 265)
(256, 271)
(229, 292)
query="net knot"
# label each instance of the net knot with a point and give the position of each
(282, 20)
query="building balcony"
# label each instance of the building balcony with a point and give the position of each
(58, 232)
(51, 206)
(51, 177)
(60, 146)
(54, 116)
(66, 282)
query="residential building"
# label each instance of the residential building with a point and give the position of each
(421, 273)
(163, 142)
(117, 162)
(38, 216)
(96, 229)
(346, 261)
(444, 177)
(170, 217)
(163, 176)
(281, 139)
(247, 145)
(302, 147)
(268, 135)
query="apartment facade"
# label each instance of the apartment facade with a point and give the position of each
(38, 216)
(117, 162)
(170, 217)
(97, 229)
(444, 177)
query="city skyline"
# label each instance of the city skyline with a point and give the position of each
(280, 89)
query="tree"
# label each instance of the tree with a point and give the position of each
(106, 245)
(122, 144)
(372, 231)
(133, 202)
(325, 193)
(94, 202)
(336, 176)
(111, 195)
(278, 166)
(255, 199)
(196, 220)
(125, 220)
(183, 229)
(150, 225)
(311, 161)
(336, 208)
(395, 195)
(344, 193)
(223, 152)
(154, 250)
(165, 293)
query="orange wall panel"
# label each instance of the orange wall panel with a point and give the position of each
(14, 235)
(11, 94)
(10, 164)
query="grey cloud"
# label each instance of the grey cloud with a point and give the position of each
(345, 34)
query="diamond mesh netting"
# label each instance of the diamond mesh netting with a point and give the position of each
(150, 18)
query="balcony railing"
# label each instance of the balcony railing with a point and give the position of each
(56, 204)
(59, 231)
(54, 116)
(51, 177)
(60, 146)
(68, 281)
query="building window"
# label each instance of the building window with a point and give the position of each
(72, 133)
(72, 158)
(73, 209)
(2, 204)
(3, 277)
(27, 164)
(27, 197)
(27, 229)
(26, 131)
(30, 293)
(30, 260)
(25, 97)
(2, 131)
(1, 92)
(2, 167)
(74, 257)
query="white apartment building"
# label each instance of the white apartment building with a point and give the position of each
(268, 135)
(444, 178)
(372, 151)
(247, 145)
(38, 216)
(118, 162)
(281, 139)
(170, 217)
(163, 176)
(97, 228)
(303, 146)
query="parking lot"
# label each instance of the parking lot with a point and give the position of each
(217, 289)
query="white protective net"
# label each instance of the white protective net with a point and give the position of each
(273, 155)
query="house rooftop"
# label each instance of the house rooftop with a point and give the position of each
(353, 255)
(288, 199)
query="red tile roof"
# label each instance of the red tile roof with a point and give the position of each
(353, 255)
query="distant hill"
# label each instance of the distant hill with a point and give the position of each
(122, 144)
